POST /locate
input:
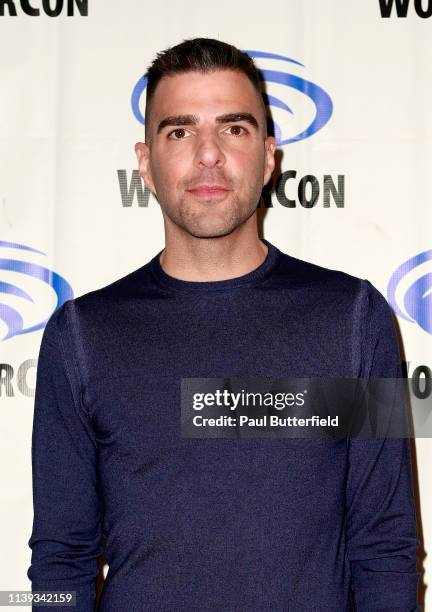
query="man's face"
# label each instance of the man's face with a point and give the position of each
(206, 157)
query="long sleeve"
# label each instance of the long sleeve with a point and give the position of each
(381, 529)
(65, 538)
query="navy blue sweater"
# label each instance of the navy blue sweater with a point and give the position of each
(238, 524)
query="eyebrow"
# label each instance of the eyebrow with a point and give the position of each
(194, 120)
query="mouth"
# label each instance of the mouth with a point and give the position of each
(208, 191)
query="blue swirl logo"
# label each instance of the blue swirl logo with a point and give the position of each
(319, 102)
(11, 316)
(409, 291)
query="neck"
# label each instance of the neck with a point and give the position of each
(211, 259)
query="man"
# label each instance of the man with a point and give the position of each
(214, 523)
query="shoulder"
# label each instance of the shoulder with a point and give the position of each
(310, 283)
(104, 303)
(345, 309)
(87, 322)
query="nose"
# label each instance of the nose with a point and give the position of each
(209, 152)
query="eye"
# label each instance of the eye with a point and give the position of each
(178, 134)
(237, 128)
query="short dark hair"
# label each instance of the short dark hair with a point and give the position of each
(200, 55)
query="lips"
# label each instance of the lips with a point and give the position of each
(208, 190)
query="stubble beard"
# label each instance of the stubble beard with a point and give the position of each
(209, 219)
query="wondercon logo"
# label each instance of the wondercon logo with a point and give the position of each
(20, 285)
(299, 108)
(410, 290)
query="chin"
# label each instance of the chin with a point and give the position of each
(208, 233)
(210, 224)
(210, 230)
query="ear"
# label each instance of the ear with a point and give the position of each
(143, 155)
(269, 161)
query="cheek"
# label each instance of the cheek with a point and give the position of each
(247, 159)
(249, 171)
(168, 170)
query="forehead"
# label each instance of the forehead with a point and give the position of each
(204, 93)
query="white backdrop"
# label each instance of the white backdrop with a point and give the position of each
(67, 127)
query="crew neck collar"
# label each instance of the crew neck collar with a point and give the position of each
(249, 279)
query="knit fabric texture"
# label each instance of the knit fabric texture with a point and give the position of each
(238, 524)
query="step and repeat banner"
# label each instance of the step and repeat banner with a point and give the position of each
(350, 94)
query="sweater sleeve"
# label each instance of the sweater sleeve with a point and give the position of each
(381, 527)
(66, 533)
